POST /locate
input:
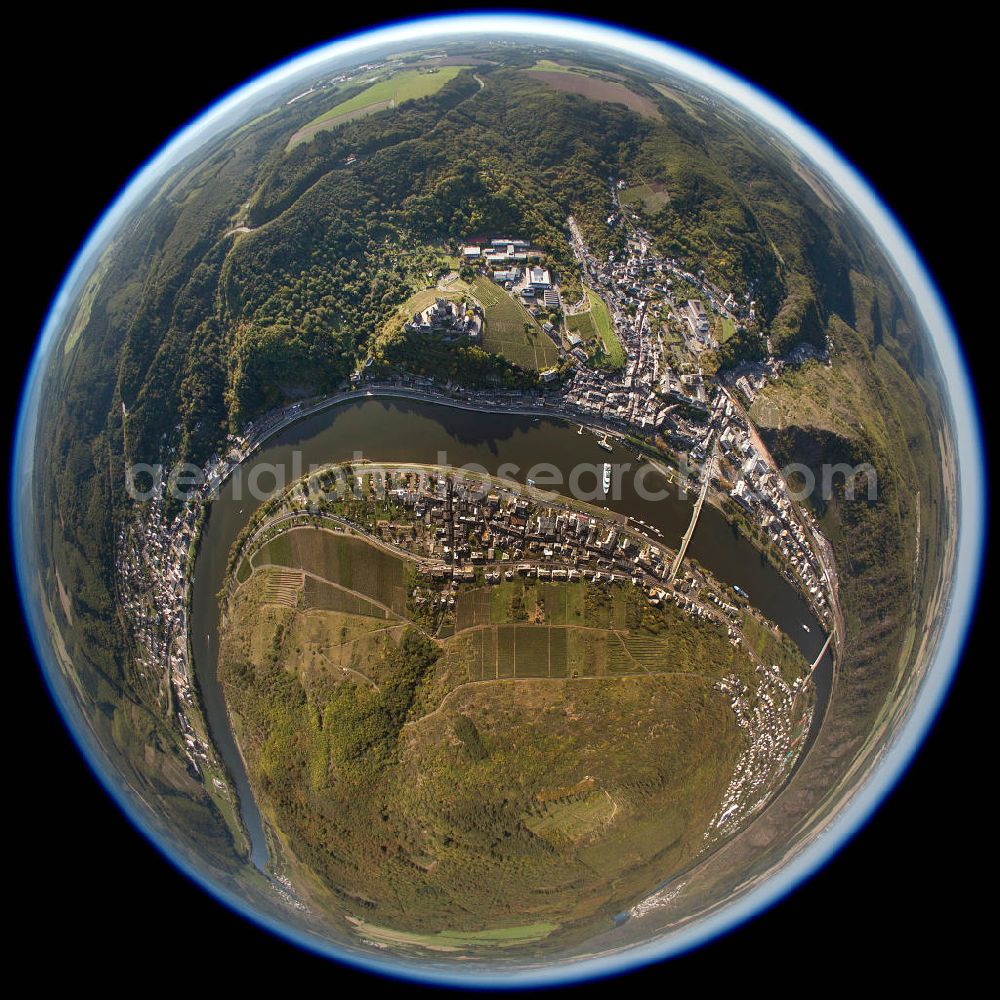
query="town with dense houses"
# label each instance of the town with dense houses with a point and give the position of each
(462, 530)
(766, 714)
(697, 414)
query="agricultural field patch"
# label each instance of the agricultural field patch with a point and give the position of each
(725, 329)
(649, 652)
(323, 596)
(651, 196)
(453, 940)
(517, 651)
(408, 85)
(596, 89)
(472, 608)
(582, 323)
(342, 559)
(596, 323)
(573, 818)
(281, 586)
(680, 100)
(511, 330)
(558, 652)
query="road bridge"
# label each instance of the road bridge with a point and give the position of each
(822, 653)
(709, 471)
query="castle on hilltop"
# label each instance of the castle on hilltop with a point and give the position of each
(451, 319)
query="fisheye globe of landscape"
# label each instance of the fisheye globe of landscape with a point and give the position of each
(498, 500)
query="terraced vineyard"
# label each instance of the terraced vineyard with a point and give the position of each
(341, 560)
(511, 330)
(596, 324)
(282, 587)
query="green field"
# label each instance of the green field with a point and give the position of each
(583, 324)
(679, 99)
(726, 328)
(408, 85)
(650, 195)
(596, 323)
(505, 331)
(573, 817)
(498, 937)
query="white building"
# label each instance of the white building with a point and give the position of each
(539, 277)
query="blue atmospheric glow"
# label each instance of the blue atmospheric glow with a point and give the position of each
(853, 813)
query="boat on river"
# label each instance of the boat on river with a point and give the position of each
(607, 476)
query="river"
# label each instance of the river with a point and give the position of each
(396, 430)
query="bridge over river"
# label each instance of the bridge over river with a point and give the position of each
(707, 474)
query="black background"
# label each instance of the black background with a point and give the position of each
(902, 104)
